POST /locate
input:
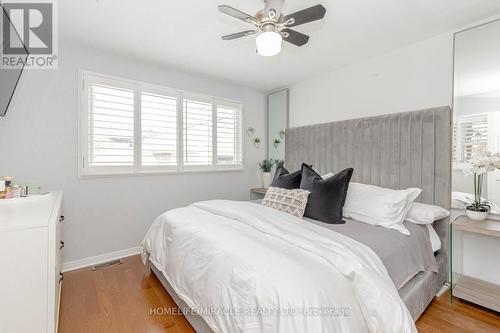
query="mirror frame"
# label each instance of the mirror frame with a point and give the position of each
(493, 216)
(268, 94)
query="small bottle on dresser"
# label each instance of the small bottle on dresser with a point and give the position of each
(2, 189)
(8, 189)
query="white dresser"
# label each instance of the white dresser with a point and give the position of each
(30, 263)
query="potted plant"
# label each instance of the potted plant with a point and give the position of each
(478, 167)
(279, 163)
(256, 142)
(276, 143)
(266, 166)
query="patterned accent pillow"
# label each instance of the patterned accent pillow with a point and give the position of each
(292, 202)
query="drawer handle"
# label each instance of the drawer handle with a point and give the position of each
(61, 278)
(61, 218)
(61, 246)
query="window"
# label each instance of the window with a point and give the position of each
(470, 134)
(198, 132)
(111, 125)
(131, 127)
(158, 130)
(228, 134)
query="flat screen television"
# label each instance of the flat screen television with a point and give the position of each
(9, 77)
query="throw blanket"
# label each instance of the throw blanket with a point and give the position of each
(249, 268)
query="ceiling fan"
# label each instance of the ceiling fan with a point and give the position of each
(272, 26)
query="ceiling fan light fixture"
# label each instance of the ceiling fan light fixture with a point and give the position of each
(268, 43)
(272, 26)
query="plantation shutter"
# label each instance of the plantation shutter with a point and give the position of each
(197, 132)
(110, 125)
(229, 135)
(454, 151)
(474, 135)
(158, 129)
(129, 127)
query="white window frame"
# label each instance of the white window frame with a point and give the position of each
(84, 171)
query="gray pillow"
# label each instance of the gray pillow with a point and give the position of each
(284, 179)
(327, 196)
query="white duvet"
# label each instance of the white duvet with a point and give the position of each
(250, 268)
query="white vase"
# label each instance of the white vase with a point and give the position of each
(266, 179)
(476, 215)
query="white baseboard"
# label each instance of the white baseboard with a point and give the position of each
(90, 261)
(443, 289)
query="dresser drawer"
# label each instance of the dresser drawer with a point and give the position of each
(59, 244)
(58, 266)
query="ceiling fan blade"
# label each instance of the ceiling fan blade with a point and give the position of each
(294, 37)
(305, 16)
(239, 34)
(237, 14)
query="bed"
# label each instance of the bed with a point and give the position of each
(395, 151)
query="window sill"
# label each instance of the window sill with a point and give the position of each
(158, 173)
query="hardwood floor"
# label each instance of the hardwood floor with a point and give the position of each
(116, 299)
(121, 298)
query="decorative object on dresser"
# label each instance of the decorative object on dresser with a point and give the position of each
(266, 166)
(470, 288)
(31, 253)
(478, 167)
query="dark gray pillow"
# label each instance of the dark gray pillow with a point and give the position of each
(327, 196)
(284, 179)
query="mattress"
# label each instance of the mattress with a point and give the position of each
(403, 256)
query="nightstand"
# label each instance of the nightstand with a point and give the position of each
(257, 193)
(465, 287)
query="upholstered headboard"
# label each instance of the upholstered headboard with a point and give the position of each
(397, 151)
(400, 150)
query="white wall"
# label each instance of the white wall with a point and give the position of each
(38, 142)
(414, 77)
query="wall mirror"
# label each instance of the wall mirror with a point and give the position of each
(277, 123)
(476, 110)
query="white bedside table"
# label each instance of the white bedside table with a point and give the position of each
(469, 288)
(257, 193)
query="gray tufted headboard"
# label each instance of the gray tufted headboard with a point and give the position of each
(400, 150)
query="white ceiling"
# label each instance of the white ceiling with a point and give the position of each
(186, 33)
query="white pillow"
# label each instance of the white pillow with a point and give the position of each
(435, 240)
(420, 213)
(379, 206)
